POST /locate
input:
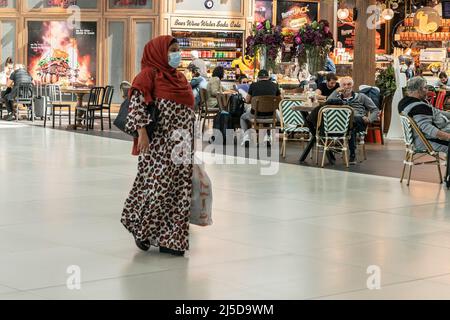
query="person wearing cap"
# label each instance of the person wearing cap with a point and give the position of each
(199, 63)
(263, 87)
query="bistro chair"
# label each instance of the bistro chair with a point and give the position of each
(107, 100)
(410, 132)
(205, 112)
(266, 105)
(53, 92)
(292, 123)
(24, 96)
(95, 103)
(333, 128)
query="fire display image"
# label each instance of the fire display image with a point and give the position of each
(60, 55)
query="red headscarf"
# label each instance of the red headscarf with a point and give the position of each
(167, 83)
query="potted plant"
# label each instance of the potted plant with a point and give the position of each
(265, 42)
(385, 81)
(314, 42)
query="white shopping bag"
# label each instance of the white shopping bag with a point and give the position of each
(201, 204)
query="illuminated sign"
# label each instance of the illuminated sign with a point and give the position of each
(211, 23)
(427, 20)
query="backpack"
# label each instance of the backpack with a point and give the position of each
(374, 94)
(236, 105)
(222, 122)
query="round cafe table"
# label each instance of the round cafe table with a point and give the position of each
(79, 92)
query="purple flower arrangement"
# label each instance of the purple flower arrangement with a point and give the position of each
(313, 36)
(265, 35)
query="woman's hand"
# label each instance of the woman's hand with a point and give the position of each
(143, 141)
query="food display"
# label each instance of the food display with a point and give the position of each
(54, 67)
(286, 82)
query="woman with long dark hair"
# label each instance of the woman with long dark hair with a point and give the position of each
(157, 209)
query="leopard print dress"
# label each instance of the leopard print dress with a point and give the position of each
(158, 206)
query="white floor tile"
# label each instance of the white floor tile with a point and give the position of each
(302, 233)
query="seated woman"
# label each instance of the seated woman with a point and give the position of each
(214, 87)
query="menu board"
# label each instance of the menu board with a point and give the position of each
(292, 15)
(263, 10)
(446, 9)
(60, 54)
(346, 34)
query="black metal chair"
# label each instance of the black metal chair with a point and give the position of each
(24, 96)
(2, 107)
(107, 99)
(95, 103)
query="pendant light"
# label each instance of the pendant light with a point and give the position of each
(343, 13)
(388, 13)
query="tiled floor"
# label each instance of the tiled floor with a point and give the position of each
(304, 233)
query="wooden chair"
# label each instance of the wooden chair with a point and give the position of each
(95, 103)
(53, 92)
(205, 112)
(410, 129)
(265, 105)
(333, 128)
(292, 123)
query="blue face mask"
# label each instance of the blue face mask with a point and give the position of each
(174, 59)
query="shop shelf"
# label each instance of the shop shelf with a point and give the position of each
(212, 48)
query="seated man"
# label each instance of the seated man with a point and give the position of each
(263, 87)
(325, 89)
(198, 82)
(431, 121)
(444, 82)
(18, 77)
(361, 105)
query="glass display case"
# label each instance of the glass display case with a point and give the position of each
(215, 48)
(288, 75)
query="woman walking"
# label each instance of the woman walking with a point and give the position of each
(157, 209)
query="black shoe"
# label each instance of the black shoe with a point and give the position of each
(143, 245)
(330, 157)
(352, 159)
(173, 252)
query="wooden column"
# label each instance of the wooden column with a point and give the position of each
(165, 10)
(328, 12)
(364, 51)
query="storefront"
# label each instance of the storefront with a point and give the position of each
(423, 39)
(215, 29)
(104, 48)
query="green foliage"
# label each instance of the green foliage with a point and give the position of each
(386, 81)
